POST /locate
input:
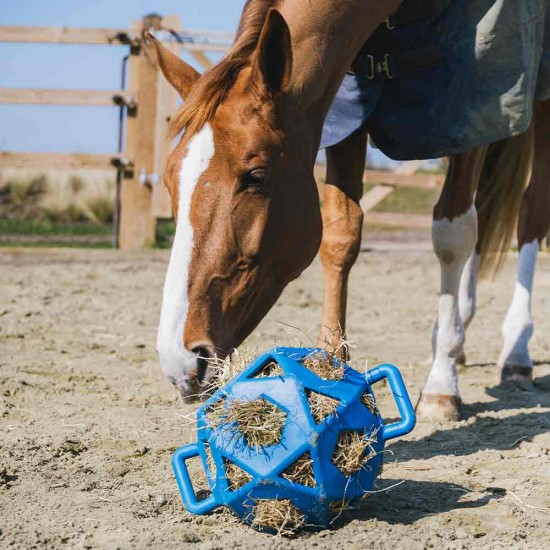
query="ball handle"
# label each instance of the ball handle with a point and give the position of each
(399, 391)
(185, 485)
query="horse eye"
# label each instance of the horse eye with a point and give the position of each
(254, 179)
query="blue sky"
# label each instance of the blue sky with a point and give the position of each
(82, 129)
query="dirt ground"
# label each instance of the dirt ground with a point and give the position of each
(88, 424)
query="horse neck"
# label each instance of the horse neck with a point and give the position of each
(326, 37)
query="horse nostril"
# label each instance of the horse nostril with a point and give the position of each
(203, 355)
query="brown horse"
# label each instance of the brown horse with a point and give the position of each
(246, 203)
(241, 178)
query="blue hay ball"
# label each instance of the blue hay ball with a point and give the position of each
(306, 466)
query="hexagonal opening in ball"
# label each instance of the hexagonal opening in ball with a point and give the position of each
(260, 421)
(353, 450)
(325, 365)
(281, 516)
(301, 471)
(321, 406)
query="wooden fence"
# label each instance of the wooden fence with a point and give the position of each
(147, 104)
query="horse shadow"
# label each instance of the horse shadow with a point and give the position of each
(408, 502)
(485, 432)
(412, 500)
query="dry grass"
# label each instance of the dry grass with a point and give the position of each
(301, 471)
(353, 450)
(224, 370)
(210, 460)
(325, 365)
(280, 515)
(58, 195)
(272, 369)
(259, 421)
(216, 413)
(236, 477)
(321, 406)
(368, 400)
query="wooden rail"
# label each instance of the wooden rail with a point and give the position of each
(57, 160)
(64, 97)
(65, 35)
(385, 182)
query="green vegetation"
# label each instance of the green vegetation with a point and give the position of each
(165, 233)
(408, 200)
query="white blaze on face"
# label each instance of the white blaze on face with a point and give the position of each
(518, 324)
(175, 360)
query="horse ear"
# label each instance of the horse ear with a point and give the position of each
(273, 61)
(179, 74)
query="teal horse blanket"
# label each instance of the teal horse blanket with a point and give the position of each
(493, 62)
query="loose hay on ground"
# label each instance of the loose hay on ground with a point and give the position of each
(280, 515)
(301, 471)
(321, 406)
(259, 421)
(353, 450)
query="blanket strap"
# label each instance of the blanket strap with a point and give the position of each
(378, 58)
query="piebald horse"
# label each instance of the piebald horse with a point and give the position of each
(246, 203)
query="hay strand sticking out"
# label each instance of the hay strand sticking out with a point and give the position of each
(280, 515)
(321, 406)
(210, 460)
(301, 471)
(272, 369)
(353, 450)
(325, 365)
(259, 421)
(236, 477)
(224, 370)
(216, 413)
(368, 400)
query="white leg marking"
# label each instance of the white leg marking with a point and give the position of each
(453, 243)
(467, 293)
(175, 360)
(517, 328)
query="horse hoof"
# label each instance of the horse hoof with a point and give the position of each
(516, 374)
(438, 407)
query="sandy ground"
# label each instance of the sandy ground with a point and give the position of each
(88, 424)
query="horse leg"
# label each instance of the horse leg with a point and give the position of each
(514, 362)
(342, 230)
(454, 235)
(467, 297)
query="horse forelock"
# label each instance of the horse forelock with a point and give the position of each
(214, 85)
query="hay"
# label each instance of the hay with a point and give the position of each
(325, 365)
(337, 508)
(368, 400)
(353, 450)
(279, 515)
(321, 406)
(224, 370)
(216, 413)
(259, 421)
(236, 477)
(210, 460)
(272, 369)
(301, 471)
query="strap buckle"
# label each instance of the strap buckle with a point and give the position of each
(390, 25)
(381, 68)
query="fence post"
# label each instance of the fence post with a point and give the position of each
(137, 222)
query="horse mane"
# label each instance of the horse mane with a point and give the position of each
(214, 85)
